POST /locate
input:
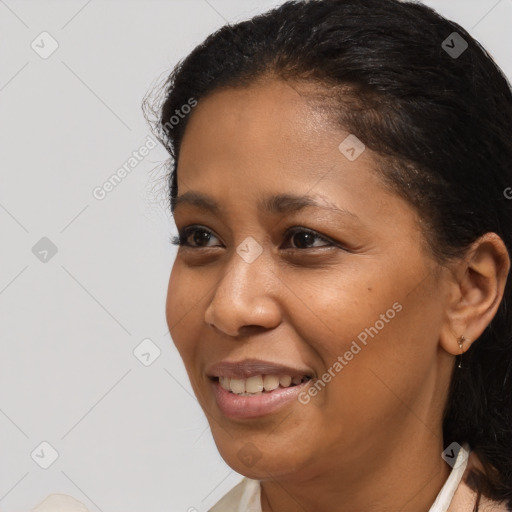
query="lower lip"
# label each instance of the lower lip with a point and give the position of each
(247, 407)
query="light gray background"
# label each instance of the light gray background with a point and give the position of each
(129, 437)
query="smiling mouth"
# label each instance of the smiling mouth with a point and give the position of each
(259, 384)
(253, 388)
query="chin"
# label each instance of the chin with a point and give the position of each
(259, 459)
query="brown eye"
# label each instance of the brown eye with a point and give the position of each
(201, 237)
(305, 238)
(194, 236)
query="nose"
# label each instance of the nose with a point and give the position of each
(244, 297)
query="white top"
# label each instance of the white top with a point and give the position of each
(245, 497)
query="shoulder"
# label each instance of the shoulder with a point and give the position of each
(464, 498)
(243, 497)
(60, 503)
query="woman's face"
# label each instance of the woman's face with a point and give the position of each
(349, 304)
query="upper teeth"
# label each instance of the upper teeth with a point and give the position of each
(258, 383)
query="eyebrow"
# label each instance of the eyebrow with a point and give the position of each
(277, 204)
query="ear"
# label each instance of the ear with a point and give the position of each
(475, 292)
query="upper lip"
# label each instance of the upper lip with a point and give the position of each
(249, 367)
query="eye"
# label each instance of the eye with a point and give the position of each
(200, 236)
(305, 238)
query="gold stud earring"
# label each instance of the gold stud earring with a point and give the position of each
(461, 341)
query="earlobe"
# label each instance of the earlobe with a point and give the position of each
(476, 292)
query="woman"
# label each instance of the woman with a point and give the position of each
(339, 180)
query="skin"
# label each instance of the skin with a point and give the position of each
(372, 439)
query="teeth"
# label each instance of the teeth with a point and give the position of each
(237, 385)
(270, 382)
(254, 384)
(285, 381)
(224, 382)
(258, 384)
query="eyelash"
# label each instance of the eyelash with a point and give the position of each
(183, 235)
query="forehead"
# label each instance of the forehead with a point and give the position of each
(267, 127)
(271, 138)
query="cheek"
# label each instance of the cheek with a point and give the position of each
(330, 309)
(368, 330)
(388, 353)
(361, 299)
(182, 309)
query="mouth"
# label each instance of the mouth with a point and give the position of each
(253, 388)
